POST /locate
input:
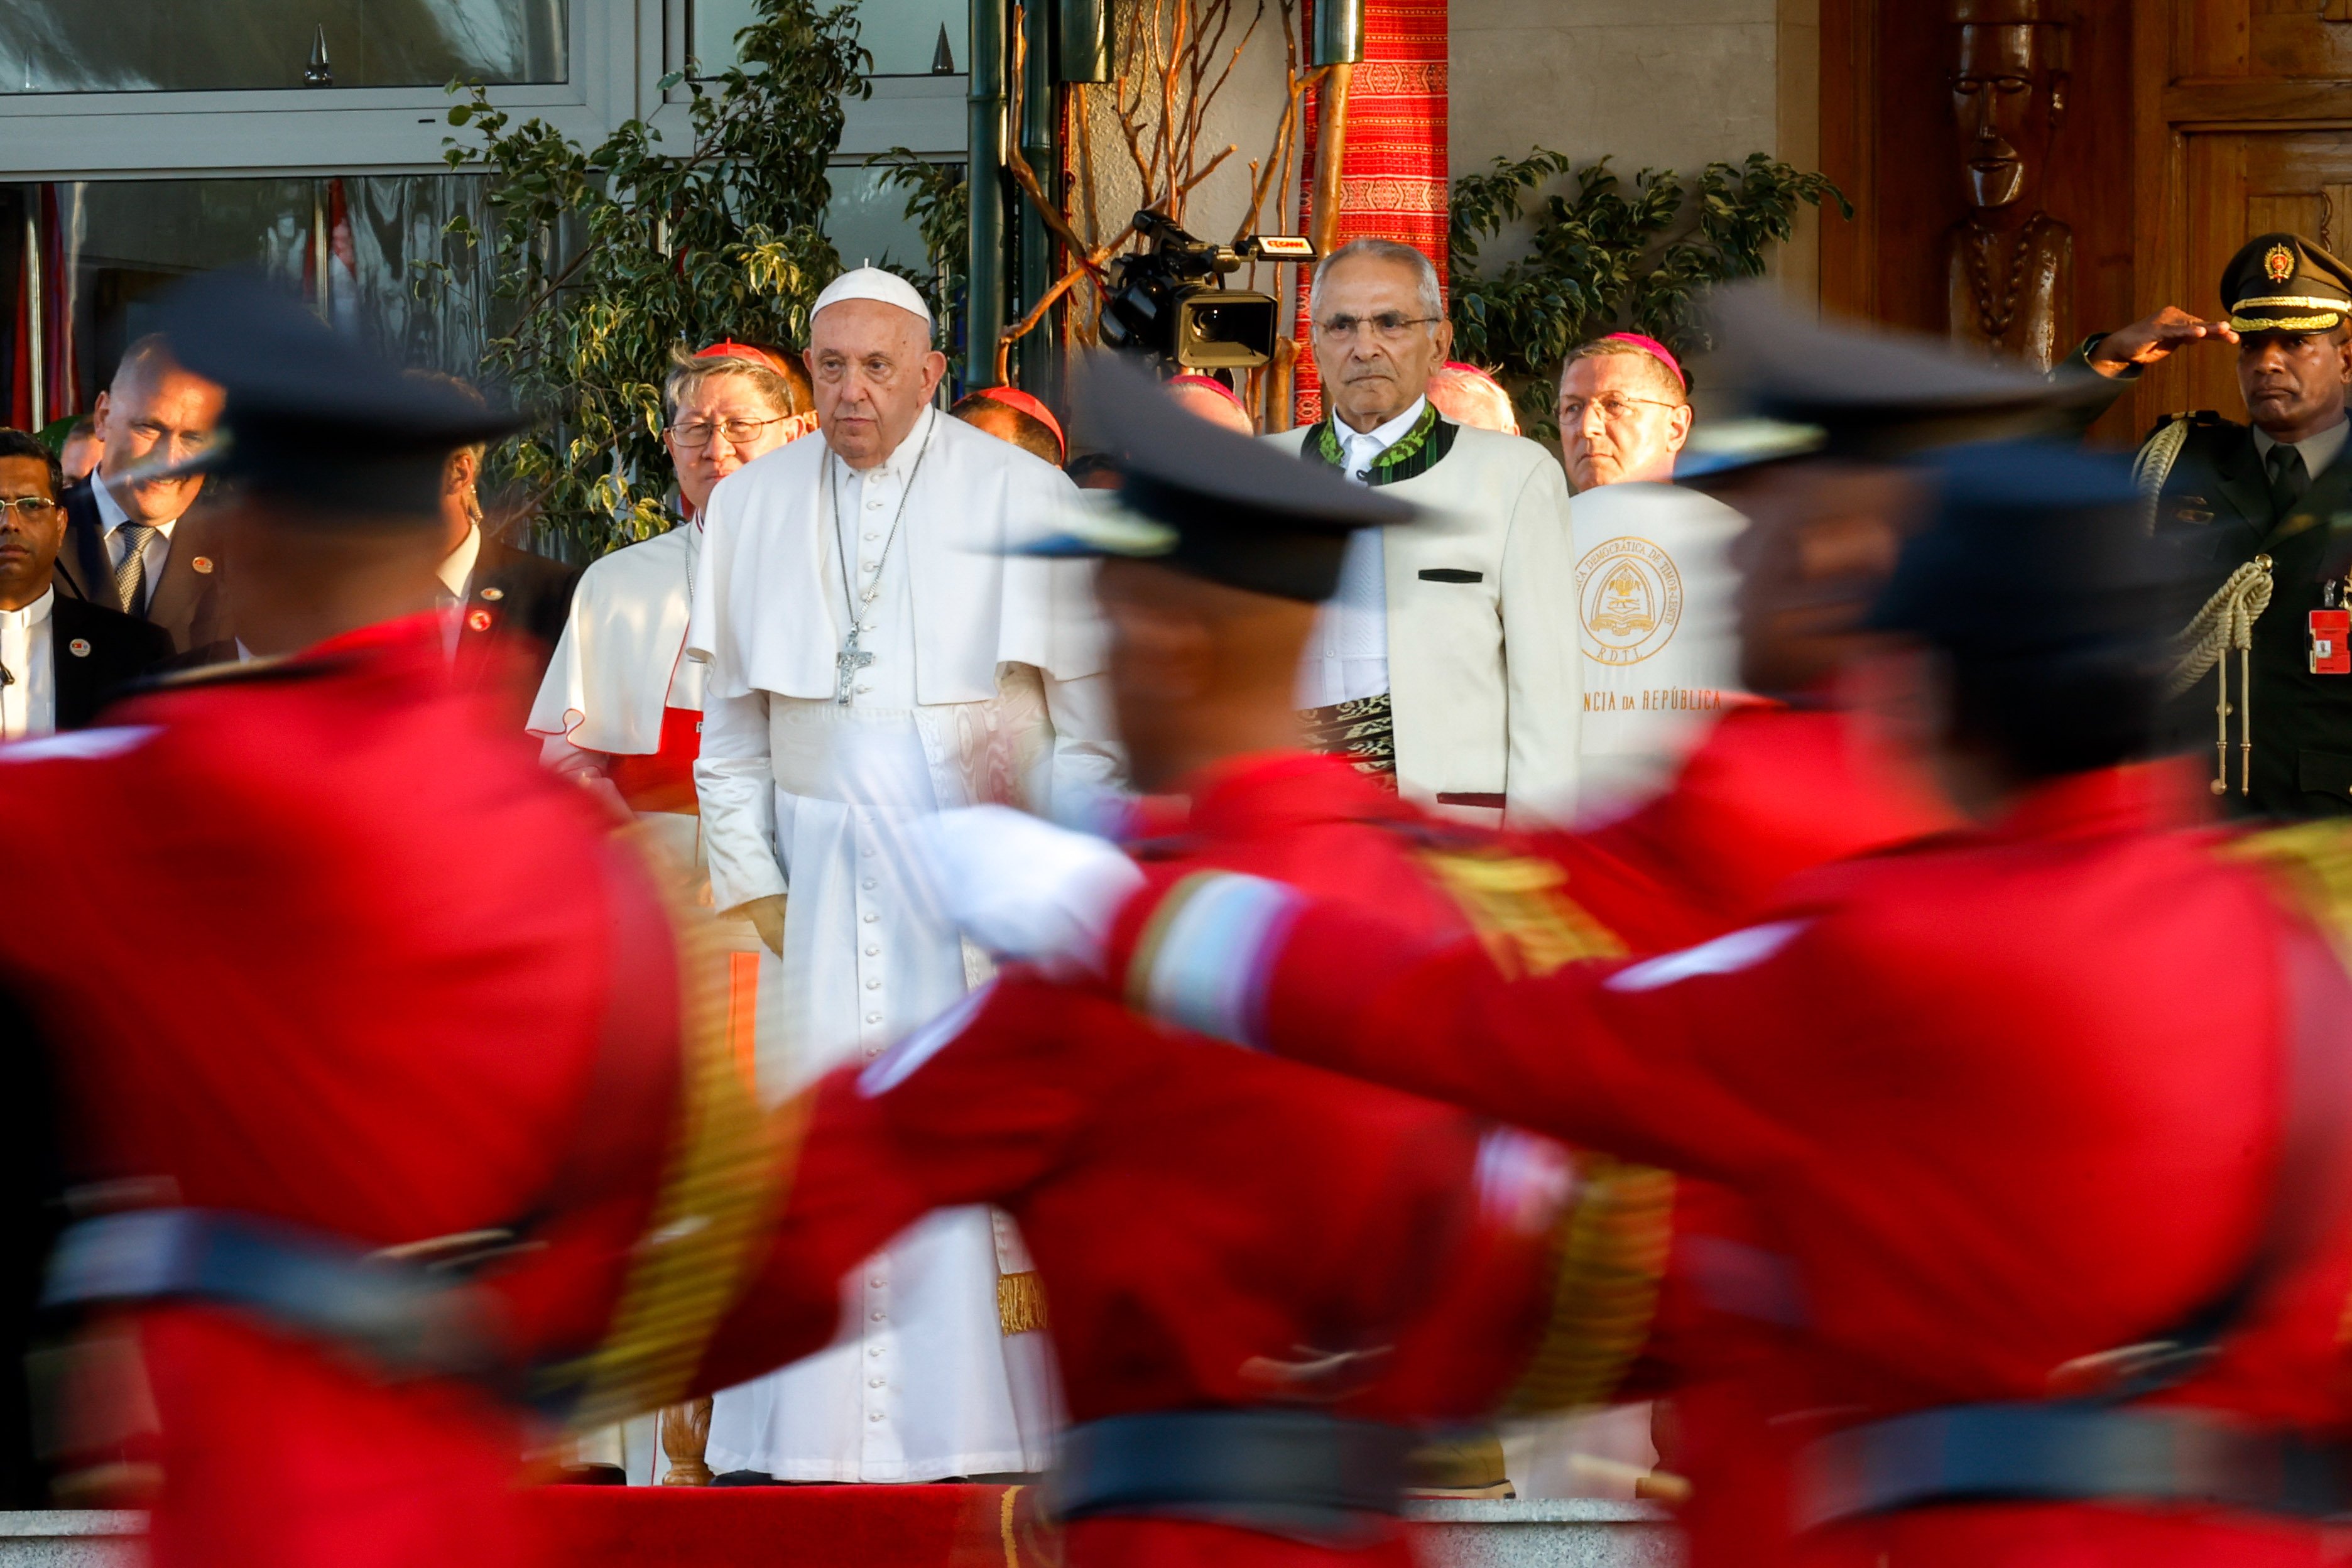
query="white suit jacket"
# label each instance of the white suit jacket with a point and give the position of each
(1485, 674)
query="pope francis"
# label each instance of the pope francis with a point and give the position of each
(875, 654)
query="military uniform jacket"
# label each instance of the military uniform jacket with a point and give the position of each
(403, 959)
(2217, 495)
(2003, 1099)
(1210, 1228)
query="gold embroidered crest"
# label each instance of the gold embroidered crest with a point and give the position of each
(2278, 263)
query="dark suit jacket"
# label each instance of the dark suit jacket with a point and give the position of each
(2217, 497)
(516, 605)
(94, 652)
(186, 602)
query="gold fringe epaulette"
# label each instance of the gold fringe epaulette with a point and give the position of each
(1613, 1255)
(1519, 907)
(1019, 1303)
(721, 1186)
(1612, 1243)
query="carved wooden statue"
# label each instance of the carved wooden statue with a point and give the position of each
(2012, 264)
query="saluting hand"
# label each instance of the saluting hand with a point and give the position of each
(2150, 340)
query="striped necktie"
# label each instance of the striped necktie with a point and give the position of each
(130, 576)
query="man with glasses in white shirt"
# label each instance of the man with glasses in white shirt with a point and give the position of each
(130, 544)
(1447, 661)
(61, 660)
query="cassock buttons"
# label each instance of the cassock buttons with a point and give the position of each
(494, 594)
(202, 564)
(79, 648)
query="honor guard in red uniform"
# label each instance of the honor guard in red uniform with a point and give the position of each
(390, 1126)
(1268, 1286)
(2055, 1204)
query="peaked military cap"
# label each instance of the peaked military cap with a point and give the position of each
(1795, 387)
(1207, 500)
(311, 418)
(2285, 283)
(2031, 546)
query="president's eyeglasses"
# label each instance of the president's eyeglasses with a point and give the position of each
(28, 508)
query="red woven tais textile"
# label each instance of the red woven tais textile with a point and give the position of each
(1392, 174)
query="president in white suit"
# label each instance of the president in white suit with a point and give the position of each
(1449, 655)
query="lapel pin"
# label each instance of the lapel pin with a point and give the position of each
(494, 594)
(202, 564)
(479, 620)
(79, 648)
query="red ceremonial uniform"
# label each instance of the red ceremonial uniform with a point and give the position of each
(321, 944)
(2006, 1101)
(1212, 1229)
(1771, 793)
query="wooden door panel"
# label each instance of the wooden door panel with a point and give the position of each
(2296, 38)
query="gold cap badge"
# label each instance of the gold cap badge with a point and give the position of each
(2278, 263)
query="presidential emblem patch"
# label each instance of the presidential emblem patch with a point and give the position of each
(1629, 600)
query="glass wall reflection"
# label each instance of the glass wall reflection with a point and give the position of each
(904, 35)
(172, 45)
(91, 256)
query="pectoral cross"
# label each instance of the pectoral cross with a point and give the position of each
(849, 661)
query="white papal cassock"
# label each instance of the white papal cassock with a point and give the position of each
(1655, 589)
(984, 686)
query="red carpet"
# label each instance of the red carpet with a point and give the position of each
(767, 1527)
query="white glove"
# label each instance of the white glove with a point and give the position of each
(1022, 888)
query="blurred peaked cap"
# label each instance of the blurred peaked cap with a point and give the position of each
(1797, 387)
(308, 415)
(1208, 501)
(2035, 547)
(2285, 283)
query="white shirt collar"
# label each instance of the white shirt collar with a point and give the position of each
(458, 564)
(111, 515)
(902, 455)
(2319, 451)
(1362, 445)
(33, 615)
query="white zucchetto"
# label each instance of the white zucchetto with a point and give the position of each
(873, 283)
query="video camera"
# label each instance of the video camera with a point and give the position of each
(1170, 304)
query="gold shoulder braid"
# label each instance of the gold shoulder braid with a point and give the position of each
(728, 1166)
(1612, 1255)
(1612, 1243)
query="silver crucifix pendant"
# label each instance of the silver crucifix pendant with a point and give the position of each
(851, 660)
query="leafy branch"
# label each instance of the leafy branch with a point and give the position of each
(1606, 258)
(605, 259)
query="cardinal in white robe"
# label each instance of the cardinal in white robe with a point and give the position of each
(874, 656)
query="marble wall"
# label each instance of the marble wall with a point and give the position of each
(1661, 83)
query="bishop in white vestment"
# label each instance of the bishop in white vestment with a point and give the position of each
(874, 656)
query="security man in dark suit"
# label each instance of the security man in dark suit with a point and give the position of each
(508, 604)
(132, 542)
(77, 654)
(2270, 503)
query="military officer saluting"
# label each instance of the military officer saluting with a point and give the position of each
(2275, 503)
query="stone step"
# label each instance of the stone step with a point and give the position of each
(1564, 1532)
